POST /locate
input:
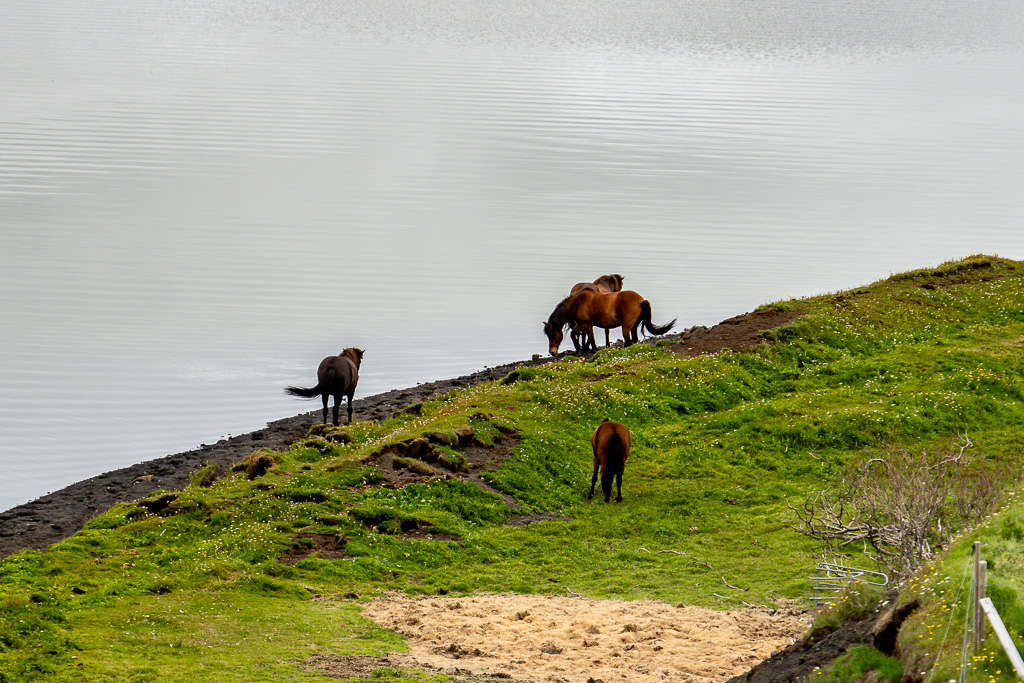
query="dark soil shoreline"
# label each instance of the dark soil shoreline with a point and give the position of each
(58, 515)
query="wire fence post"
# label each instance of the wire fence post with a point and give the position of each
(983, 592)
(979, 616)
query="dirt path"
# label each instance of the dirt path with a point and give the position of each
(564, 639)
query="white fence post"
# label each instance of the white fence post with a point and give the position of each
(1004, 636)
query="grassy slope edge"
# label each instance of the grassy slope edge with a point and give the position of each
(719, 444)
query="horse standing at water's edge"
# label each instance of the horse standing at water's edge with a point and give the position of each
(611, 450)
(337, 376)
(588, 309)
(605, 285)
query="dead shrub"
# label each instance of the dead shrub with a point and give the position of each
(903, 505)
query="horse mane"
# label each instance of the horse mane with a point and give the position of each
(353, 354)
(560, 317)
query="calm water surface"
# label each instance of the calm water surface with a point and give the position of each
(199, 200)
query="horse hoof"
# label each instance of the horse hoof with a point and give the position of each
(619, 499)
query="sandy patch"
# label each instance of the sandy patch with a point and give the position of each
(538, 638)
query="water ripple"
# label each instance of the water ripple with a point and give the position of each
(201, 199)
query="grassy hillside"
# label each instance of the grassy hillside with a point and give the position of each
(217, 585)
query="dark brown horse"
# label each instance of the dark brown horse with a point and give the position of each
(337, 376)
(588, 309)
(605, 285)
(611, 450)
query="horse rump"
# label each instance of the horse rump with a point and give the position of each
(611, 450)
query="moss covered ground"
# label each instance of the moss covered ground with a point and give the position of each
(198, 592)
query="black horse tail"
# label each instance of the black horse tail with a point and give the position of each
(304, 393)
(615, 454)
(645, 317)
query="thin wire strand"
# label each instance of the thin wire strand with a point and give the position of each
(952, 610)
(967, 623)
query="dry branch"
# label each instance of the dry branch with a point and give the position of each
(735, 588)
(894, 504)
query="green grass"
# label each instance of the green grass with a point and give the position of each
(719, 445)
(860, 660)
(936, 632)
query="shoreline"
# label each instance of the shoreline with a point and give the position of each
(56, 516)
(48, 519)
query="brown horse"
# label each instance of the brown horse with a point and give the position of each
(588, 309)
(611, 450)
(605, 285)
(337, 376)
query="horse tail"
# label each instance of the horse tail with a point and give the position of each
(615, 454)
(304, 393)
(645, 317)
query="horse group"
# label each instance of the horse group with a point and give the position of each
(601, 303)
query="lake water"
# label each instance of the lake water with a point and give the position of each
(201, 199)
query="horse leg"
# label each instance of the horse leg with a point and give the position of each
(627, 338)
(574, 334)
(325, 397)
(607, 338)
(337, 403)
(593, 479)
(606, 484)
(589, 342)
(350, 408)
(618, 484)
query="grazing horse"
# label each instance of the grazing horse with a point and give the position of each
(587, 309)
(611, 450)
(604, 284)
(337, 376)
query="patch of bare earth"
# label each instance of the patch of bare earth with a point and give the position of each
(741, 332)
(363, 668)
(564, 639)
(327, 546)
(424, 460)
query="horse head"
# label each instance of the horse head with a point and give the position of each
(554, 335)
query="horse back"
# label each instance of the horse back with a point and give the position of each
(584, 287)
(605, 284)
(609, 283)
(337, 374)
(610, 309)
